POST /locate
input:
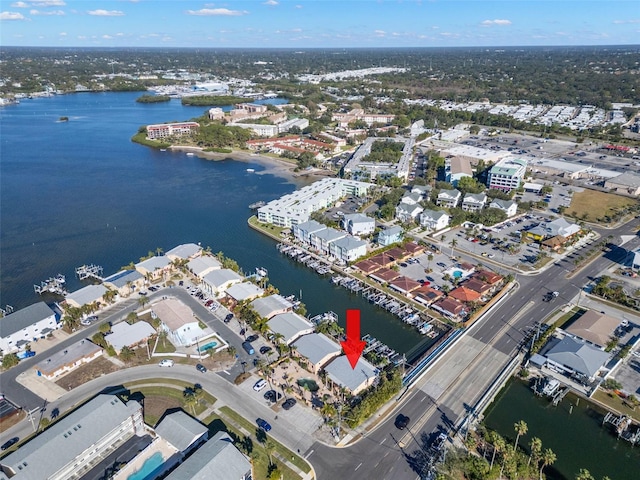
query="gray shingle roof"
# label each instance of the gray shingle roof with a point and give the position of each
(218, 458)
(16, 321)
(69, 437)
(180, 430)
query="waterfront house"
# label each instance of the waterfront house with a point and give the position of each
(67, 360)
(217, 458)
(303, 231)
(390, 235)
(179, 322)
(290, 325)
(408, 212)
(448, 198)
(404, 285)
(474, 202)
(384, 275)
(182, 431)
(594, 328)
(348, 249)
(154, 267)
(125, 282)
(383, 259)
(125, 335)
(358, 224)
(449, 307)
(367, 266)
(203, 265)
(267, 307)
(427, 295)
(575, 357)
(354, 380)
(464, 294)
(186, 251)
(78, 441)
(26, 325)
(322, 240)
(86, 296)
(217, 281)
(317, 349)
(434, 220)
(507, 206)
(244, 291)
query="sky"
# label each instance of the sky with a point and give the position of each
(318, 23)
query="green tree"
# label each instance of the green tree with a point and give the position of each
(535, 447)
(126, 354)
(104, 328)
(142, 301)
(584, 474)
(548, 458)
(10, 360)
(521, 428)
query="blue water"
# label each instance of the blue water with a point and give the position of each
(81, 192)
(149, 468)
(457, 274)
(208, 346)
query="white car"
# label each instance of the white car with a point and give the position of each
(259, 385)
(167, 362)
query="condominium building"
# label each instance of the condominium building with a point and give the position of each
(298, 206)
(171, 129)
(507, 174)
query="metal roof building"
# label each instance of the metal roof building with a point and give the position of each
(290, 325)
(353, 379)
(318, 349)
(184, 251)
(269, 306)
(200, 266)
(244, 291)
(25, 317)
(182, 431)
(577, 356)
(86, 295)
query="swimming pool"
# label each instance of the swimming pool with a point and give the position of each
(150, 468)
(308, 383)
(207, 346)
(457, 273)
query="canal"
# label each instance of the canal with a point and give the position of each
(577, 438)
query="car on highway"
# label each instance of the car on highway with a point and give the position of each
(272, 396)
(402, 421)
(9, 443)
(263, 424)
(167, 362)
(89, 320)
(265, 349)
(259, 385)
(252, 338)
(288, 403)
(201, 368)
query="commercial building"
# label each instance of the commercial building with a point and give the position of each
(297, 207)
(166, 130)
(73, 445)
(69, 359)
(507, 174)
(628, 183)
(26, 325)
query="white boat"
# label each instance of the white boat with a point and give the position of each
(250, 170)
(190, 154)
(550, 387)
(163, 149)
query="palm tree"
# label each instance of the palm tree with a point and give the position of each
(498, 445)
(548, 458)
(453, 243)
(584, 474)
(521, 428)
(269, 447)
(429, 259)
(535, 445)
(159, 251)
(190, 399)
(142, 301)
(328, 411)
(126, 354)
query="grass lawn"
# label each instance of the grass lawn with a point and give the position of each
(616, 403)
(266, 227)
(570, 317)
(593, 206)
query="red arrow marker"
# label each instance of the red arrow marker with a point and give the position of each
(354, 345)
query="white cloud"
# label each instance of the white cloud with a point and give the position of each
(11, 16)
(298, 6)
(106, 13)
(621, 22)
(47, 12)
(63, 34)
(48, 3)
(19, 5)
(107, 37)
(225, 12)
(379, 33)
(496, 22)
(296, 30)
(271, 3)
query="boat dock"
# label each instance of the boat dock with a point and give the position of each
(256, 205)
(301, 256)
(624, 427)
(381, 350)
(89, 271)
(52, 285)
(329, 317)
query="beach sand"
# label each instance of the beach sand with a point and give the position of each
(273, 166)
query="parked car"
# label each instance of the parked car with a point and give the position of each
(259, 385)
(201, 368)
(252, 338)
(248, 348)
(9, 443)
(288, 403)
(167, 362)
(265, 349)
(272, 396)
(228, 318)
(263, 424)
(89, 320)
(401, 422)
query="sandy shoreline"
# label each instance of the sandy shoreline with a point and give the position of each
(273, 166)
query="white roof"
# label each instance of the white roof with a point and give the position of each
(204, 264)
(218, 278)
(88, 294)
(289, 325)
(267, 305)
(154, 263)
(186, 250)
(180, 430)
(341, 372)
(532, 186)
(123, 335)
(244, 291)
(316, 347)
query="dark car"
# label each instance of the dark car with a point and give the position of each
(228, 318)
(9, 443)
(181, 283)
(265, 349)
(401, 422)
(272, 395)
(201, 368)
(252, 338)
(288, 403)
(263, 424)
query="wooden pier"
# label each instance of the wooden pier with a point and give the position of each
(89, 271)
(52, 285)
